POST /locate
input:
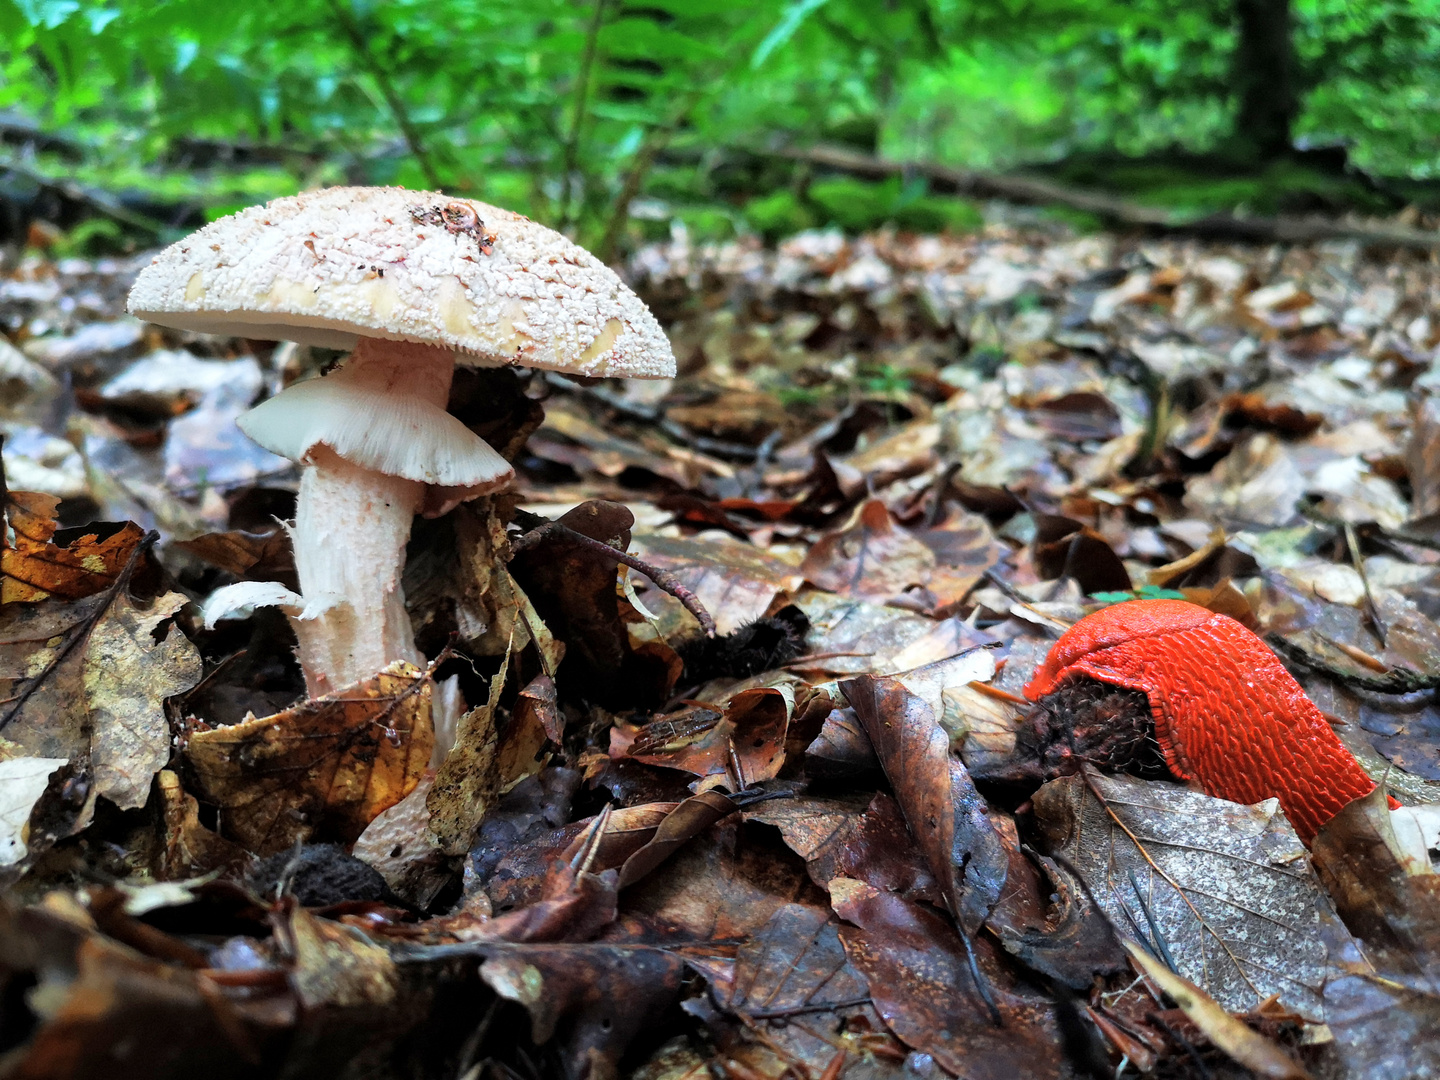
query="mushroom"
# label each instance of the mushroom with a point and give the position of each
(413, 282)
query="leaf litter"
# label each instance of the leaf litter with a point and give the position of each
(593, 841)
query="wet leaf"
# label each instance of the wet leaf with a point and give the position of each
(322, 770)
(945, 813)
(1226, 887)
(921, 985)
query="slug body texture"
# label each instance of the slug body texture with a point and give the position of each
(1227, 713)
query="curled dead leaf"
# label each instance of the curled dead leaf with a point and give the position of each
(322, 770)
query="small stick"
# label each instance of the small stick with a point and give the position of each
(1397, 682)
(535, 533)
(1353, 543)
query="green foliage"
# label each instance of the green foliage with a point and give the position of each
(574, 110)
(1145, 592)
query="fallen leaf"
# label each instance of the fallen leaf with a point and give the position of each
(22, 781)
(945, 813)
(871, 558)
(1225, 886)
(801, 1003)
(128, 674)
(596, 998)
(250, 556)
(35, 569)
(333, 966)
(1246, 1046)
(321, 770)
(921, 984)
(748, 737)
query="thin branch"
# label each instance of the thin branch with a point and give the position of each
(577, 117)
(398, 112)
(1396, 682)
(103, 201)
(538, 529)
(655, 141)
(1114, 210)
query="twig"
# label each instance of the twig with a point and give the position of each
(577, 117)
(396, 104)
(538, 528)
(1353, 544)
(811, 1007)
(1397, 682)
(655, 141)
(1116, 211)
(102, 201)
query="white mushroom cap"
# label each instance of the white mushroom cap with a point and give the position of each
(329, 267)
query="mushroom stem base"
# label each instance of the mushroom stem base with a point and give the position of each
(351, 525)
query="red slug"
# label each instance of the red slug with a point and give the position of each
(1227, 714)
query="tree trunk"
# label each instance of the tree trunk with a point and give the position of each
(1263, 76)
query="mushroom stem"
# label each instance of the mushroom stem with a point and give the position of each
(351, 526)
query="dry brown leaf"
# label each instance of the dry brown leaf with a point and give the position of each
(321, 770)
(535, 722)
(871, 558)
(250, 556)
(748, 738)
(35, 569)
(736, 582)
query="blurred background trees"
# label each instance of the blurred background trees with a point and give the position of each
(622, 119)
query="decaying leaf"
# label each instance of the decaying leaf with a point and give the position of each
(85, 681)
(742, 745)
(1383, 1004)
(596, 997)
(35, 569)
(321, 770)
(469, 778)
(1225, 887)
(127, 677)
(799, 1001)
(1248, 1047)
(921, 985)
(332, 965)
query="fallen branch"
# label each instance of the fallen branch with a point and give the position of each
(103, 201)
(1114, 210)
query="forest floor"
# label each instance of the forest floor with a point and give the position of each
(893, 469)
